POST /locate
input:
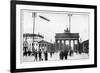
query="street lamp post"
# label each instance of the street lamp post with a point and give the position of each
(69, 22)
(33, 16)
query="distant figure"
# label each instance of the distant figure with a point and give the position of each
(64, 54)
(25, 47)
(25, 51)
(51, 54)
(29, 50)
(29, 53)
(71, 53)
(61, 55)
(40, 53)
(36, 53)
(46, 56)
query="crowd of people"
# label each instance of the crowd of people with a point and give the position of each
(38, 55)
(43, 55)
(64, 54)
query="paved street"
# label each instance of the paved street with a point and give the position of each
(55, 56)
(73, 57)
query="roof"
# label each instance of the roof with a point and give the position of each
(67, 35)
(31, 35)
(85, 42)
(43, 41)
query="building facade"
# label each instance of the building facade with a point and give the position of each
(31, 42)
(46, 46)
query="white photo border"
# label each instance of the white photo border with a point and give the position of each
(52, 63)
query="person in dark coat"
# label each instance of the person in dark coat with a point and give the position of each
(51, 54)
(61, 55)
(46, 56)
(25, 51)
(71, 52)
(29, 52)
(66, 55)
(25, 47)
(36, 53)
(40, 53)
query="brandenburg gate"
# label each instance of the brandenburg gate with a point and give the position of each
(67, 39)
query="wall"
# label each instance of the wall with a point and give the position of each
(5, 36)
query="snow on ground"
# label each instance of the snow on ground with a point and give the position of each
(79, 56)
(74, 56)
(55, 56)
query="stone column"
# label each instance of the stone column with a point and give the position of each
(56, 47)
(74, 45)
(78, 47)
(60, 44)
(64, 44)
(70, 44)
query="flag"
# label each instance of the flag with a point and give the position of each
(44, 18)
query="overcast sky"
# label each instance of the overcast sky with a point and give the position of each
(57, 24)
